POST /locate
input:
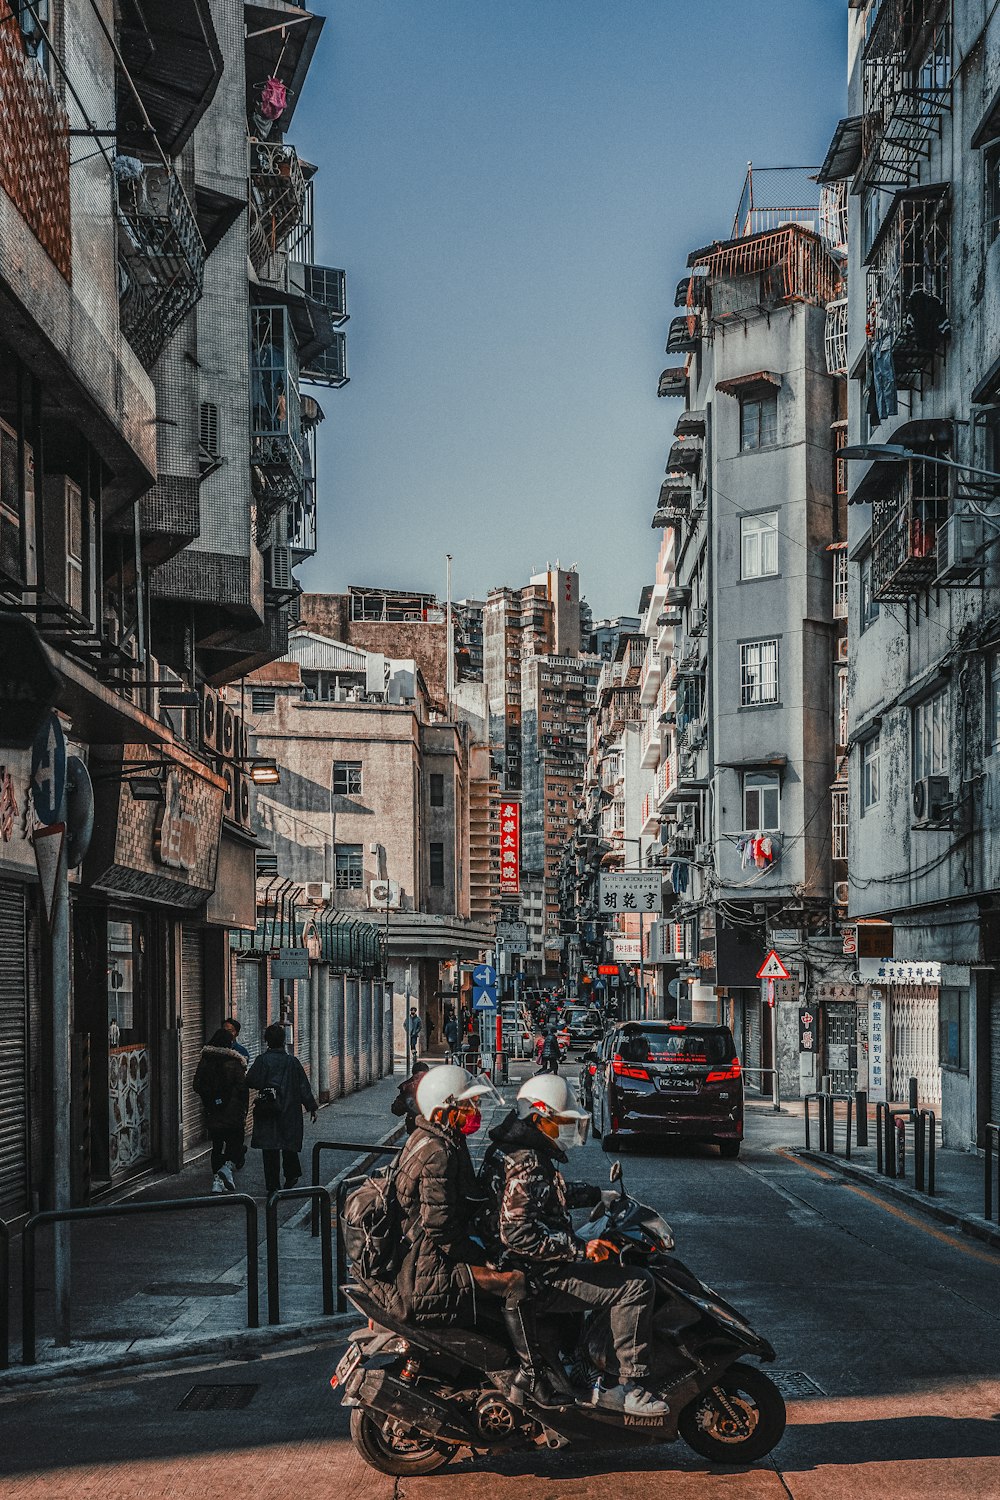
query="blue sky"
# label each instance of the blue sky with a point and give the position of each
(513, 187)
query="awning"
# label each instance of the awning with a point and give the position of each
(680, 339)
(174, 59)
(691, 292)
(673, 382)
(690, 424)
(844, 154)
(311, 321)
(280, 42)
(216, 214)
(774, 762)
(923, 433)
(987, 391)
(743, 385)
(684, 457)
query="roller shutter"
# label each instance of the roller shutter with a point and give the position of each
(192, 1032)
(994, 1044)
(247, 993)
(13, 1054)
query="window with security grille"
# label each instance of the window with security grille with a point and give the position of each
(761, 801)
(871, 773)
(991, 189)
(930, 736)
(759, 545)
(759, 422)
(838, 823)
(349, 863)
(869, 604)
(758, 673)
(840, 583)
(347, 778)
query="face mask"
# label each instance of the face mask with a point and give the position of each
(471, 1123)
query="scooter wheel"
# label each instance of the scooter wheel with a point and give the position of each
(390, 1454)
(756, 1427)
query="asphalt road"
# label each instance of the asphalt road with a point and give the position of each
(888, 1325)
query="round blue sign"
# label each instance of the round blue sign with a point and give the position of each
(48, 771)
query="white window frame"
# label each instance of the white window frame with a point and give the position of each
(763, 790)
(758, 672)
(759, 545)
(840, 583)
(871, 773)
(352, 776)
(843, 703)
(839, 823)
(931, 749)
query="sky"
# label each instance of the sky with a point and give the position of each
(513, 188)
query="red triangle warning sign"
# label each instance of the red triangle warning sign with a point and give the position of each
(48, 844)
(772, 968)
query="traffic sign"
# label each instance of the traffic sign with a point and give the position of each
(772, 968)
(484, 998)
(48, 843)
(48, 771)
(483, 975)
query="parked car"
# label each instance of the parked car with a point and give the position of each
(663, 1079)
(585, 1024)
(518, 1033)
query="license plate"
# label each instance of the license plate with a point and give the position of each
(348, 1364)
(678, 1085)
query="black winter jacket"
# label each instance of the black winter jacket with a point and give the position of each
(278, 1068)
(438, 1199)
(534, 1222)
(220, 1080)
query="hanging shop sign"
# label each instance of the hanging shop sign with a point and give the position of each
(631, 890)
(629, 949)
(876, 1050)
(898, 971)
(510, 848)
(807, 1029)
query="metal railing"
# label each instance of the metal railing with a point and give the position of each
(358, 1148)
(890, 1144)
(123, 1210)
(991, 1198)
(4, 1295)
(771, 1073)
(825, 1102)
(319, 1195)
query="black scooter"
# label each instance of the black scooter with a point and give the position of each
(418, 1397)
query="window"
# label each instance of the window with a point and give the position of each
(930, 736)
(840, 583)
(993, 707)
(761, 801)
(759, 545)
(17, 495)
(34, 23)
(437, 864)
(842, 707)
(437, 789)
(262, 701)
(869, 604)
(759, 422)
(839, 823)
(991, 191)
(758, 673)
(350, 867)
(347, 778)
(953, 1029)
(871, 755)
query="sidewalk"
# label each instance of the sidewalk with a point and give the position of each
(147, 1289)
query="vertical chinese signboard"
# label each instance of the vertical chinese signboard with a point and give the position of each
(510, 848)
(876, 1050)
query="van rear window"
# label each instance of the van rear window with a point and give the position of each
(677, 1047)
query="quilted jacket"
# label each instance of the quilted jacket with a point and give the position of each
(438, 1199)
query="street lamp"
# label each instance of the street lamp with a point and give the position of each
(895, 453)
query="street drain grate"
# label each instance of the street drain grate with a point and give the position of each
(218, 1397)
(193, 1289)
(795, 1383)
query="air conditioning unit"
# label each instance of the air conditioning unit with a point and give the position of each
(226, 736)
(930, 801)
(383, 893)
(842, 648)
(703, 853)
(841, 892)
(279, 568)
(960, 547)
(317, 892)
(211, 713)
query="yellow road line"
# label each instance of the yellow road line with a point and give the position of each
(987, 1257)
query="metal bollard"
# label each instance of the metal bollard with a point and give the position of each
(280, 1195)
(861, 1100)
(919, 1149)
(931, 1149)
(900, 1124)
(911, 1086)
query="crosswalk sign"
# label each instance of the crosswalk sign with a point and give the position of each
(484, 997)
(772, 968)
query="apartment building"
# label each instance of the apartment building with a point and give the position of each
(918, 157)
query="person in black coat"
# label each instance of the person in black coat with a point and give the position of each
(278, 1134)
(220, 1081)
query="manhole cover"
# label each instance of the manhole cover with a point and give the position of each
(193, 1289)
(218, 1397)
(795, 1383)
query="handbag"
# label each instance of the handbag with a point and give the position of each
(270, 1099)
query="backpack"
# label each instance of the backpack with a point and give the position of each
(372, 1226)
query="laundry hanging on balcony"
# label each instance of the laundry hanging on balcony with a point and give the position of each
(883, 377)
(271, 106)
(678, 879)
(758, 851)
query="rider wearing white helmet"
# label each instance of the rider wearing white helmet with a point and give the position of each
(537, 1234)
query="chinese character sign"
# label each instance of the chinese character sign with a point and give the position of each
(807, 1029)
(876, 1051)
(510, 848)
(627, 891)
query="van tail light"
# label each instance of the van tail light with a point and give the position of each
(627, 1070)
(726, 1077)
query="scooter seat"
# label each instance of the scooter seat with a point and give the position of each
(484, 1346)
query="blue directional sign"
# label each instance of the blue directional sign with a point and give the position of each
(483, 976)
(484, 997)
(48, 771)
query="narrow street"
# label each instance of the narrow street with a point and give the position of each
(886, 1328)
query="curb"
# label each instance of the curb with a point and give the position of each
(971, 1224)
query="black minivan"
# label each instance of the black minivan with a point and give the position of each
(663, 1079)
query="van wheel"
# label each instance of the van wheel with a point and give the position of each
(389, 1449)
(729, 1149)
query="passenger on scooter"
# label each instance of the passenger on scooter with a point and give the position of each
(537, 1235)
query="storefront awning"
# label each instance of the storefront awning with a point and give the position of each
(745, 385)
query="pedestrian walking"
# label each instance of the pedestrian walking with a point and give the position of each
(231, 1025)
(549, 1056)
(451, 1033)
(283, 1092)
(220, 1081)
(405, 1102)
(413, 1031)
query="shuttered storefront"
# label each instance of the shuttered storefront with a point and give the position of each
(914, 1041)
(247, 996)
(13, 1054)
(994, 1045)
(192, 1032)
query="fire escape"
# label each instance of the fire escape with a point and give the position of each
(907, 75)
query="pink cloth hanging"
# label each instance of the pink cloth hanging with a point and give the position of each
(273, 99)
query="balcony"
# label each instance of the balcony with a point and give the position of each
(650, 815)
(787, 264)
(276, 442)
(907, 513)
(907, 75)
(835, 338)
(277, 202)
(673, 382)
(665, 778)
(909, 283)
(649, 745)
(161, 256)
(650, 679)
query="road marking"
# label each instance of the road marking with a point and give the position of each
(800, 1210)
(944, 1238)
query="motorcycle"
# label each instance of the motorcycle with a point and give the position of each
(420, 1396)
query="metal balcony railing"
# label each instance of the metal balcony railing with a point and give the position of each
(905, 522)
(909, 283)
(907, 76)
(835, 339)
(276, 440)
(277, 201)
(161, 256)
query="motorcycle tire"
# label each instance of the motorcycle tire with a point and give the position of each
(424, 1457)
(704, 1428)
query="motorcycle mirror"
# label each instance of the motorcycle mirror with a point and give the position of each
(616, 1172)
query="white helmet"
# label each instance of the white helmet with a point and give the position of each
(548, 1095)
(444, 1086)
